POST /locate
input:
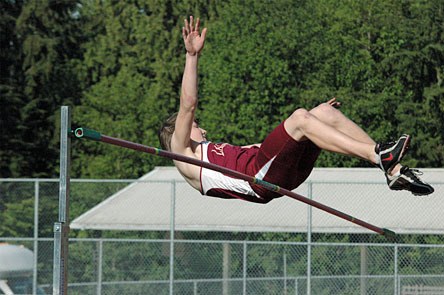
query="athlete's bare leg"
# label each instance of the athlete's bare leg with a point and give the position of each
(331, 130)
(302, 125)
(329, 114)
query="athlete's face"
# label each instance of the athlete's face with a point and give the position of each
(198, 134)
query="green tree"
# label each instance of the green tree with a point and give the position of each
(11, 96)
(420, 67)
(37, 80)
(16, 207)
(246, 80)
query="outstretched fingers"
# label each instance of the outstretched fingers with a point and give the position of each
(191, 23)
(190, 27)
(186, 26)
(193, 39)
(334, 103)
(197, 27)
(184, 33)
(203, 34)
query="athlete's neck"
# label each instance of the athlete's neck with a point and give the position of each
(196, 147)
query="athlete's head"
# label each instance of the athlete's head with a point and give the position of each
(166, 132)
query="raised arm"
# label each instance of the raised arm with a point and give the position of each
(194, 42)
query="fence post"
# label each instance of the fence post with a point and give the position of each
(100, 268)
(61, 228)
(244, 272)
(36, 236)
(285, 273)
(226, 264)
(364, 268)
(395, 275)
(296, 287)
(309, 224)
(172, 228)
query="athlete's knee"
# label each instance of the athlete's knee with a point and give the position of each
(299, 118)
(326, 113)
(324, 109)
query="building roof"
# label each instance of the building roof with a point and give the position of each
(360, 192)
(15, 261)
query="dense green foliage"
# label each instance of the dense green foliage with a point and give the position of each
(119, 64)
(39, 41)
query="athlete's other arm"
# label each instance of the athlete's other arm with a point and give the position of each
(180, 141)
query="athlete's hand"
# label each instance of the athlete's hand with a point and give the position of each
(334, 103)
(194, 41)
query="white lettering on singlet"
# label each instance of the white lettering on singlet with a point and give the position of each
(219, 149)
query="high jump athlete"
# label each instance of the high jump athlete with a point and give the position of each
(287, 155)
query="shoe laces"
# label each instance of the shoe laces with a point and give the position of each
(382, 145)
(411, 172)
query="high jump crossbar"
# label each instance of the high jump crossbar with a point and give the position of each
(97, 136)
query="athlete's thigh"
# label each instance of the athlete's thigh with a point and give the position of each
(283, 161)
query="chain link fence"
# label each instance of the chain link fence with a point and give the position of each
(137, 262)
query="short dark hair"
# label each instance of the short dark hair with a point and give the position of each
(166, 132)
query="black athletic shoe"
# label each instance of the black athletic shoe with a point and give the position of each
(409, 180)
(391, 153)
